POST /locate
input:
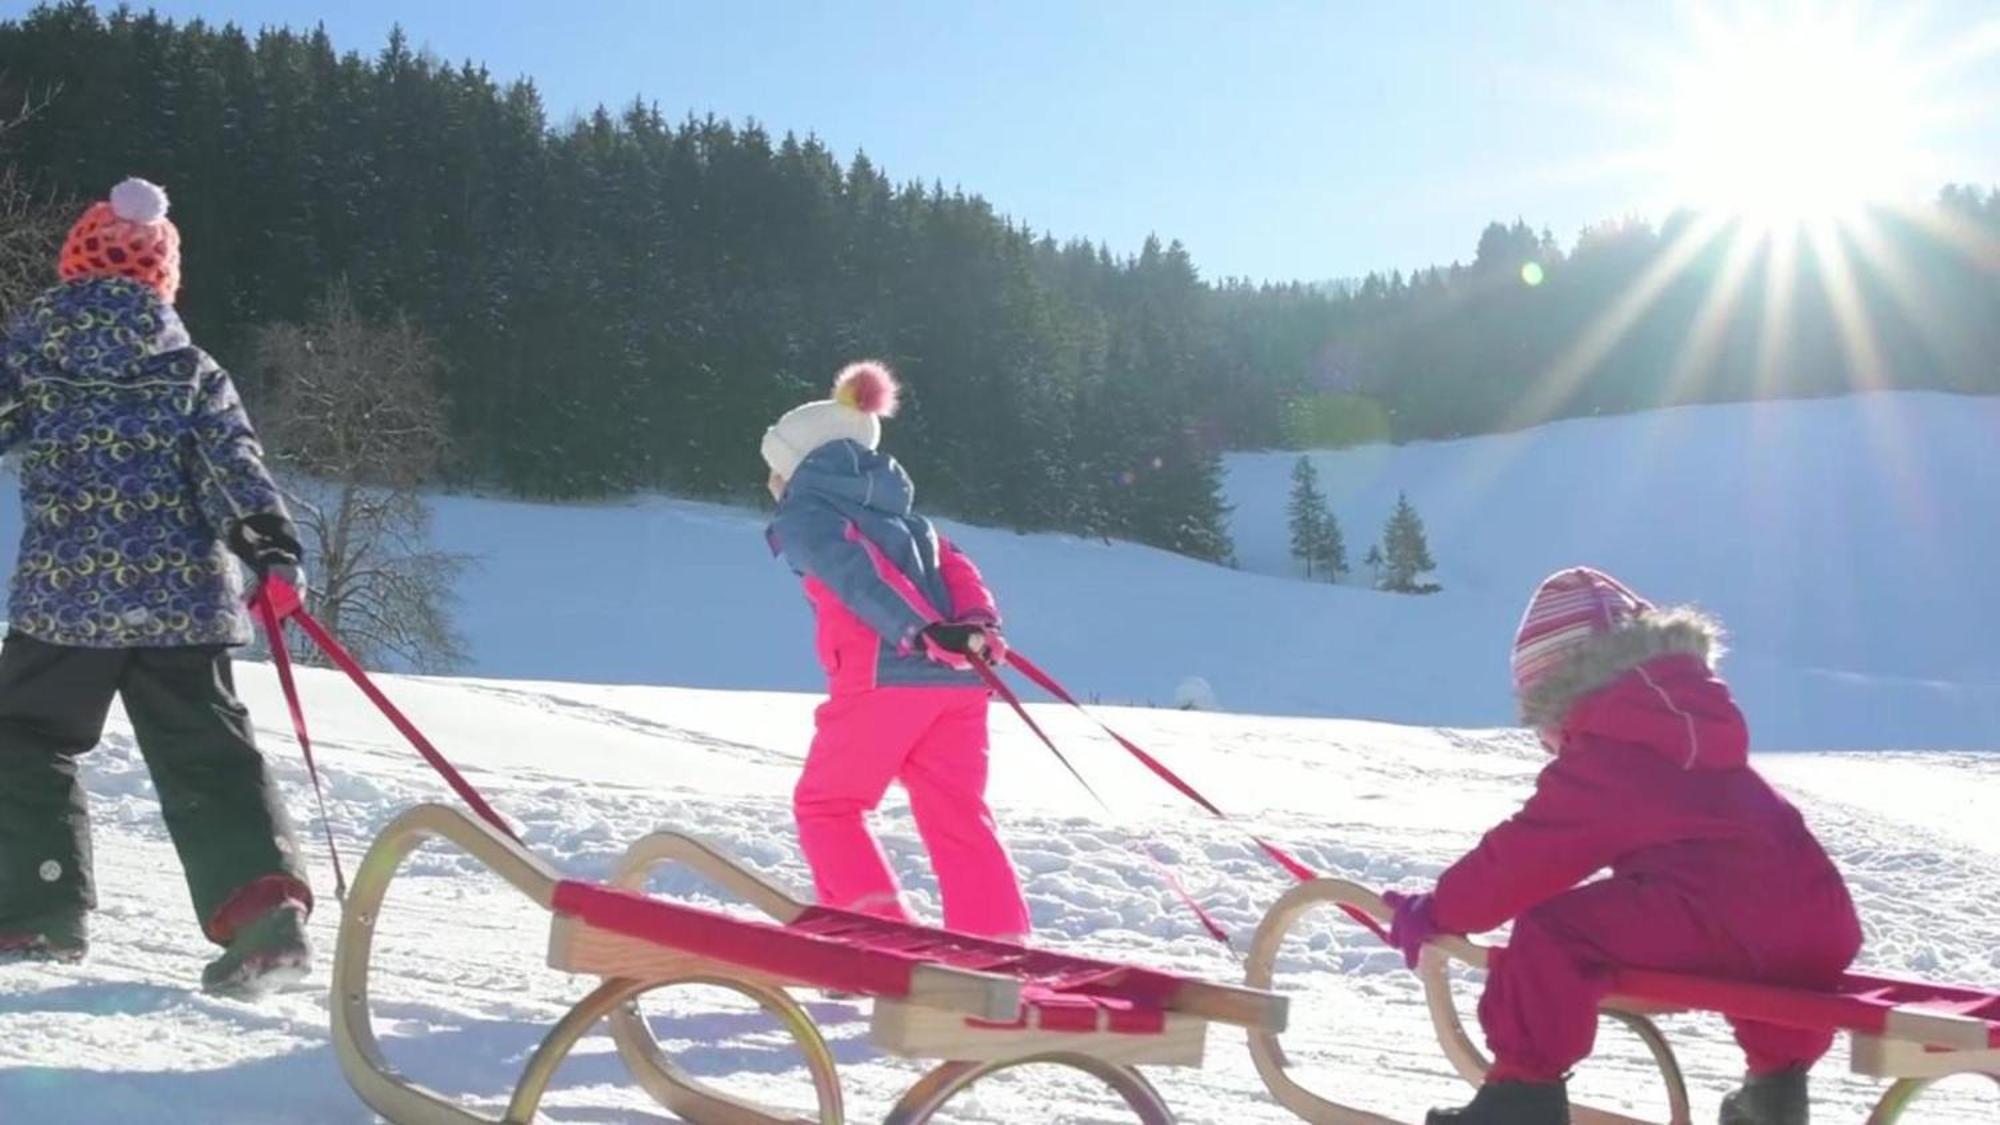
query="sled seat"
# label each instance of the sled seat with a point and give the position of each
(941, 994)
(979, 1005)
(1899, 1028)
(1910, 1031)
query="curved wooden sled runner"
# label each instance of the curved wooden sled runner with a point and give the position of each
(981, 1006)
(1910, 1032)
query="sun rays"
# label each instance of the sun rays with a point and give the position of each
(1779, 135)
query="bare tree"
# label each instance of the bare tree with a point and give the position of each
(31, 220)
(353, 411)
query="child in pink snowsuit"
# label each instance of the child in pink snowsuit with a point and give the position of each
(1712, 872)
(901, 614)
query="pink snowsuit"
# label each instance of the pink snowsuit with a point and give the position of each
(893, 715)
(1712, 872)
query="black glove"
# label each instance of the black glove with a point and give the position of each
(268, 544)
(958, 639)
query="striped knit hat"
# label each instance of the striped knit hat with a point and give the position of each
(1569, 608)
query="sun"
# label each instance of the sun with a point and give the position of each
(1776, 145)
(1793, 122)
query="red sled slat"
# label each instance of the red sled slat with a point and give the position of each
(764, 946)
(1859, 1003)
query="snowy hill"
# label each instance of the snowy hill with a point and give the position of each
(584, 769)
(1846, 542)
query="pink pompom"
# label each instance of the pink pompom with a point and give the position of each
(868, 387)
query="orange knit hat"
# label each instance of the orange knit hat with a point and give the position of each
(127, 235)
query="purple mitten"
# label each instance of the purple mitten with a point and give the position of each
(1411, 925)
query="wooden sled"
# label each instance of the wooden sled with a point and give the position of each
(980, 1006)
(1909, 1032)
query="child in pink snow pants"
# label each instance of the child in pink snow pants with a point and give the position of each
(1712, 872)
(901, 614)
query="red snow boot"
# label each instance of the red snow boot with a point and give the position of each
(60, 938)
(266, 955)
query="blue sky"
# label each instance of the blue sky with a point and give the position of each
(1278, 140)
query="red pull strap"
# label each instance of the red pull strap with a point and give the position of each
(1166, 874)
(1278, 855)
(281, 656)
(281, 602)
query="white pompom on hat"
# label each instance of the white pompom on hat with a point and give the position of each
(863, 394)
(139, 201)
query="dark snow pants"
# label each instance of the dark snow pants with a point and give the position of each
(227, 820)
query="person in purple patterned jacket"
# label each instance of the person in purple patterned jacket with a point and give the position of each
(140, 477)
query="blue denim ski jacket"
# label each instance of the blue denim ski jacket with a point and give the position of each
(875, 572)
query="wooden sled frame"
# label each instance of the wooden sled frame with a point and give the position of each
(1935, 1033)
(934, 995)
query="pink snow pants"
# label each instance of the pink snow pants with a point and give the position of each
(933, 740)
(1539, 1010)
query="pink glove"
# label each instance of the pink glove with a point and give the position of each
(1411, 925)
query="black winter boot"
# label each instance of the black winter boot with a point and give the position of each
(264, 956)
(1768, 1099)
(57, 937)
(1510, 1103)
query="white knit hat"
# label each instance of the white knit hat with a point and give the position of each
(863, 394)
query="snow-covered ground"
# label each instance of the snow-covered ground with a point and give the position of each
(1847, 542)
(462, 995)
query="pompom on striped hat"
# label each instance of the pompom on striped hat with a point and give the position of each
(127, 235)
(1569, 609)
(863, 394)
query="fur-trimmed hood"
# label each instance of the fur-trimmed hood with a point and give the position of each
(1595, 663)
(1649, 682)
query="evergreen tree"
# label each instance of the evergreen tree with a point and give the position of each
(1332, 549)
(1406, 554)
(1307, 514)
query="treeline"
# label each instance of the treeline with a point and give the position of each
(1636, 315)
(625, 300)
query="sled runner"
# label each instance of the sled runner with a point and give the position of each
(980, 1006)
(1910, 1032)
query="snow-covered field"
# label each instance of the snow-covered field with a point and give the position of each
(462, 996)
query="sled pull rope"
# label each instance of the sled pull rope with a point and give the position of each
(280, 602)
(1278, 855)
(281, 657)
(1167, 875)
